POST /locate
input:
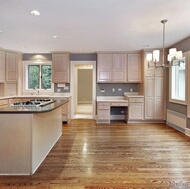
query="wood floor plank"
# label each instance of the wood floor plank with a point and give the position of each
(112, 156)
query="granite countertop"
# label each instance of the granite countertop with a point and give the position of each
(26, 110)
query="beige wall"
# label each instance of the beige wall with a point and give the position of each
(84, 85)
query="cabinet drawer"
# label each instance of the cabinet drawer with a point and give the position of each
(103, 114)
(119, 104)
(136, 100)
(3, 102)
(103, 107)
(103, 104)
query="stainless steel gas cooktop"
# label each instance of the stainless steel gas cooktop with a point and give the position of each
(33, 103)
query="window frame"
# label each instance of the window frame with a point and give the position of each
(175, 100)
(25, 77)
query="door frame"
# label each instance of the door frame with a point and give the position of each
(73, 90)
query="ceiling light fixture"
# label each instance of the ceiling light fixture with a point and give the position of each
(35, 13)
(54, 36)
(155, 56)
(174, 57)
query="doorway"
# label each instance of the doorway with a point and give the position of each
(83, 89)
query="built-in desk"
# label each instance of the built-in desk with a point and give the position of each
(104, 105)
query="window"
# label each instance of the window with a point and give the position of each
(177, 76)
(38, 76)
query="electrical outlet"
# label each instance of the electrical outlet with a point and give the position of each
(119, 89)
(113, 90)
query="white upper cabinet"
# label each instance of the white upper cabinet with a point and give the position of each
(134, 62)
(60, 68)
(104, 68)
(112, 68)
(2, 66)
(11, 67)
(119, 68)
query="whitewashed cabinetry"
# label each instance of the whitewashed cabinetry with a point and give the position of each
(2, 66)
(154, 99)
(104, 68)
(11, 67)
(134, 62)
(136, 108)
(60, 68)
(66, 109)
(103, 112)
(119, 68)
(4, 102)
(154, 108)
(111, 68)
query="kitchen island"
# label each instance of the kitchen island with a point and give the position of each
(27, 134)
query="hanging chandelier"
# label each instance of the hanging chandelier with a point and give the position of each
(175, 58)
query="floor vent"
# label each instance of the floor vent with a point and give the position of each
(176, 120)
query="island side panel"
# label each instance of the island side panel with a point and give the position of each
(46, 130)
(15, 144)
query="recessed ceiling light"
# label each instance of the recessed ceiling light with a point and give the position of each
(35, 13)
(54, 36)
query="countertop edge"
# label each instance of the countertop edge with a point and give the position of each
(56, 105)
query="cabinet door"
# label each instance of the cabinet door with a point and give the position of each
(119, 68)
(149, 97)
(159, 102)
(10, 89)
(2, 66)
(136, 111)
(134, 68)
(104, 68)
(11, 67)
(60, 68)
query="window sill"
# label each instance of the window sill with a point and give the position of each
(177, 101)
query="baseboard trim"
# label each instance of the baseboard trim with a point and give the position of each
(187, 132)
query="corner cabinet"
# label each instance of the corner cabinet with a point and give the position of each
(60, 68)
(11, 67)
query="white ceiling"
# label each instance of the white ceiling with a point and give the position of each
(92, 25)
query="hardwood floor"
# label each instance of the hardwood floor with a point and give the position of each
(115, 156)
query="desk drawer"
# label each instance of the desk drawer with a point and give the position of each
(103, 107)
(136, 99)
(3, 102)
(103, 104)
(119, 104)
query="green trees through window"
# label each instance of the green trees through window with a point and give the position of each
(39, 76)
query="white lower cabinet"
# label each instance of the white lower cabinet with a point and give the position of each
(136, 108)
(103, 112)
